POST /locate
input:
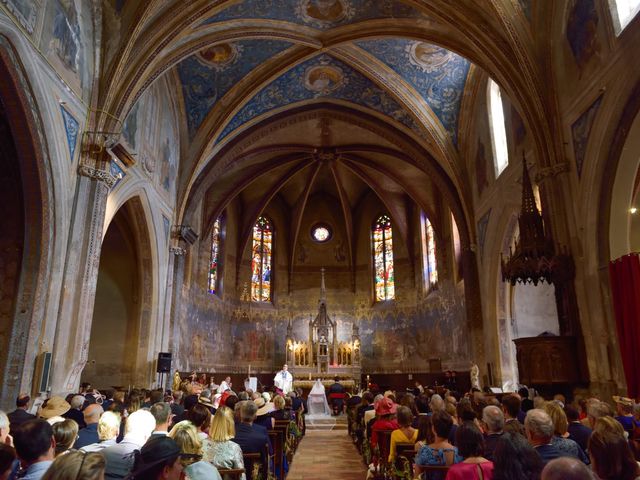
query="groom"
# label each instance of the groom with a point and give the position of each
(284, 380)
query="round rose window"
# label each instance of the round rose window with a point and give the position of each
(321, 233)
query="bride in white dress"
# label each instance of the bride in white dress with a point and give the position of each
(317, 401)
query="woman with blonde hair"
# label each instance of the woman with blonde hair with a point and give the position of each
(77, 465)
(568, 447)
(185, 434)
(218, 448)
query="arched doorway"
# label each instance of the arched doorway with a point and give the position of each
(26, 232)
(121, 316)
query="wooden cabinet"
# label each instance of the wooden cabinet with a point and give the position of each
(548, 360)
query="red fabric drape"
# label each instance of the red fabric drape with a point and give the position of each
(625, 293)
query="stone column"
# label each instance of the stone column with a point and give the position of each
(176, 272)
(73, 328)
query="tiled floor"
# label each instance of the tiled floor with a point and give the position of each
(327, 455)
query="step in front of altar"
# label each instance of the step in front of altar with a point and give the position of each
(325, 422)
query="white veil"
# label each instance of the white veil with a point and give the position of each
(317, 401)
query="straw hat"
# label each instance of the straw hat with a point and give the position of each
(623, 400)
(263, 407)
(54, 407)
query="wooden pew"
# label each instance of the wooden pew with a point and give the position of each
(277, 443)
(256, 465)
(405, 455)
(432, 472)
(290, 444)
(231, 473)
(383, 447)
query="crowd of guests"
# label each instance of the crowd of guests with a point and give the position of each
(141, 434)
(480, 436)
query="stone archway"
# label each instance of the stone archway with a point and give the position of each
(26, 234)
(119, 341)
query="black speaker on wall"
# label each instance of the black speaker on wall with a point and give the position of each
(164, 362)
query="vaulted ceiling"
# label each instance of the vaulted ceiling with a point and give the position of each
(238, 65)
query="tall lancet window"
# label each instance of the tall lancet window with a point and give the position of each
(262, 261)
(215, 257)
(383, 258)
(430, 263)
(497, 126)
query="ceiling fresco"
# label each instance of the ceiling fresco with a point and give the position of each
(321, 77)
(437, 74)
(207, 75)
(321, 14)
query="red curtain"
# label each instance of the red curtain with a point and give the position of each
(625, 293)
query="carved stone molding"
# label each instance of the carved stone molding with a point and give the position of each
(552, 171)
(178, 251)
(97, 174)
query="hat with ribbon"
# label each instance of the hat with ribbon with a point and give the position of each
(385, 407)
(55, 406)
(623, 400)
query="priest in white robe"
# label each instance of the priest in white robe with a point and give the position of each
(284, 380)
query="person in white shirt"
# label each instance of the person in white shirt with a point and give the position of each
(284, 380)
(225, 385)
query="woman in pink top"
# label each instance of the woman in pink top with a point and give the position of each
(470, 445)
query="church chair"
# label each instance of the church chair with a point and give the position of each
(383, 448)
(405, 455)
(431, 472)
(231, 473)
(256, 465)
(290, 440)
(277, 442)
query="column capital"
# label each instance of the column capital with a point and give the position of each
(97, 174)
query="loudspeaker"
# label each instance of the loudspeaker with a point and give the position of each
(164, 362)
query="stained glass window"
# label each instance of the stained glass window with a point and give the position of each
(214, 262)
(624, 12)
(429, 246)
(261, 261)
(383, 258)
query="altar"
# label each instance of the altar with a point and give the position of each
(322, 355)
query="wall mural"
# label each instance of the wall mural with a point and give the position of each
(582, 30)
(437, 74)
(322, 14)
(25, 11)
(210, 73)
(71, 127)
(321, 76)
(581, 129)
(64, 41)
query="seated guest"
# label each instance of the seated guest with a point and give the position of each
(336, 396)
(77, 466)
(539, 429)
(186, 437)
(158, 460)
(611, 456)
(189, 402)
(280, 413)
(425, 432)
(9, 464)
(65, 433)
(263, 415)
(514, 458)
(566, 446)
(624, 414)
(89, 434)
(578, 432)
(5, 428)
(385, 419)
(200, 416)
(205, 399)
(470, 446)
(251, 438)
(527, 403)
(595, 410)
(155, 396)
(370, 415)
(119, 457)
(35, 446)
(161, 412)
(566, 468)
(405, 433)
(440, 451)
(108, 430)
(493, 420)
(20, 414)
(75, 410)
(436, 403)
(218, 448)
(176, 405)
(54, 407)
(511, 408)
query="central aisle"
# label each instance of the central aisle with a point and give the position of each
(327, 455)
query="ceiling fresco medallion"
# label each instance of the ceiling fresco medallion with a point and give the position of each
(325, 12)
(427, 57)
(219, 56)
(323, 79)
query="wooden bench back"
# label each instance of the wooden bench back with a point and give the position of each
(256, 464)
(277, 442)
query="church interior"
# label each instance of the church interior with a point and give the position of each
(454, 184)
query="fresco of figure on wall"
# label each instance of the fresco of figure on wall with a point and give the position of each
(66, 34)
